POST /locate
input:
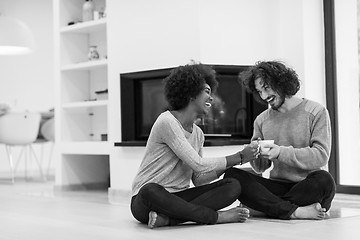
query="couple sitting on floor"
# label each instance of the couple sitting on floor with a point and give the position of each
(298, 188)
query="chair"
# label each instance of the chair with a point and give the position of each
(20, 129)
(47, 130)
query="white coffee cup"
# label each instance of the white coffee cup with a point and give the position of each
(263, 144)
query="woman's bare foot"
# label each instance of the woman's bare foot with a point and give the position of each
(253, 212)
(313, 211)
(157, 220)
(236, 214)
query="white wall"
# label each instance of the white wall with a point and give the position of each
(238, 32)
(243, 32)
(26, 82)
(214, 32)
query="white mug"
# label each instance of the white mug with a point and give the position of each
(263, 143)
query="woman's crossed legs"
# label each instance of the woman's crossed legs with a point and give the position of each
(157, 207)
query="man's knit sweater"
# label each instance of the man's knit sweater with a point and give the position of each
(304, 137)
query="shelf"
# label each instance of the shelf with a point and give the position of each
(85, 27)
(89, 147)
(82, 147)
(85, 104)
(83, 66)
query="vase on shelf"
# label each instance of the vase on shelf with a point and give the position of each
(88, 11)
(93, 53)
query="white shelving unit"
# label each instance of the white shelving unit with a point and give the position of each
(81, 108)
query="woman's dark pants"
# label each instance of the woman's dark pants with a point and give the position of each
(196, 204)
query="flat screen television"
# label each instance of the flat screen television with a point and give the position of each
(230, 120)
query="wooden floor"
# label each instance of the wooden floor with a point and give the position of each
(32, 210)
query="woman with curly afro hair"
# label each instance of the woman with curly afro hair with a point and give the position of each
(161, 192)
(299, 186)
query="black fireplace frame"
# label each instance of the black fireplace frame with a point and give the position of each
(129, 111)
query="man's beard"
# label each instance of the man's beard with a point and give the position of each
(276, 107)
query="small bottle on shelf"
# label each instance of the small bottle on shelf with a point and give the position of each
(88, 11)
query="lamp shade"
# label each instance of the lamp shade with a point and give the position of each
(15, 37)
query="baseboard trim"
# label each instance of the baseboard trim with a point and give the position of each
(115, 196)
(82, 186)
(348, 189)
(118, 196)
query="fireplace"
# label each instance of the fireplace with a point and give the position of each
(229, 122)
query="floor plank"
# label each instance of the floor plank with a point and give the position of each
(33, 210)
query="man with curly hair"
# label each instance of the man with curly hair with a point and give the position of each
(298, 187)
(161, 192)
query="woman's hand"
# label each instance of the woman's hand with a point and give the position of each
(250, 152)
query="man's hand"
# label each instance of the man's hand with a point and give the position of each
(272, 154)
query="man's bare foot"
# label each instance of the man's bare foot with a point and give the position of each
(157, 220)
(313, 211)
(236, 214)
